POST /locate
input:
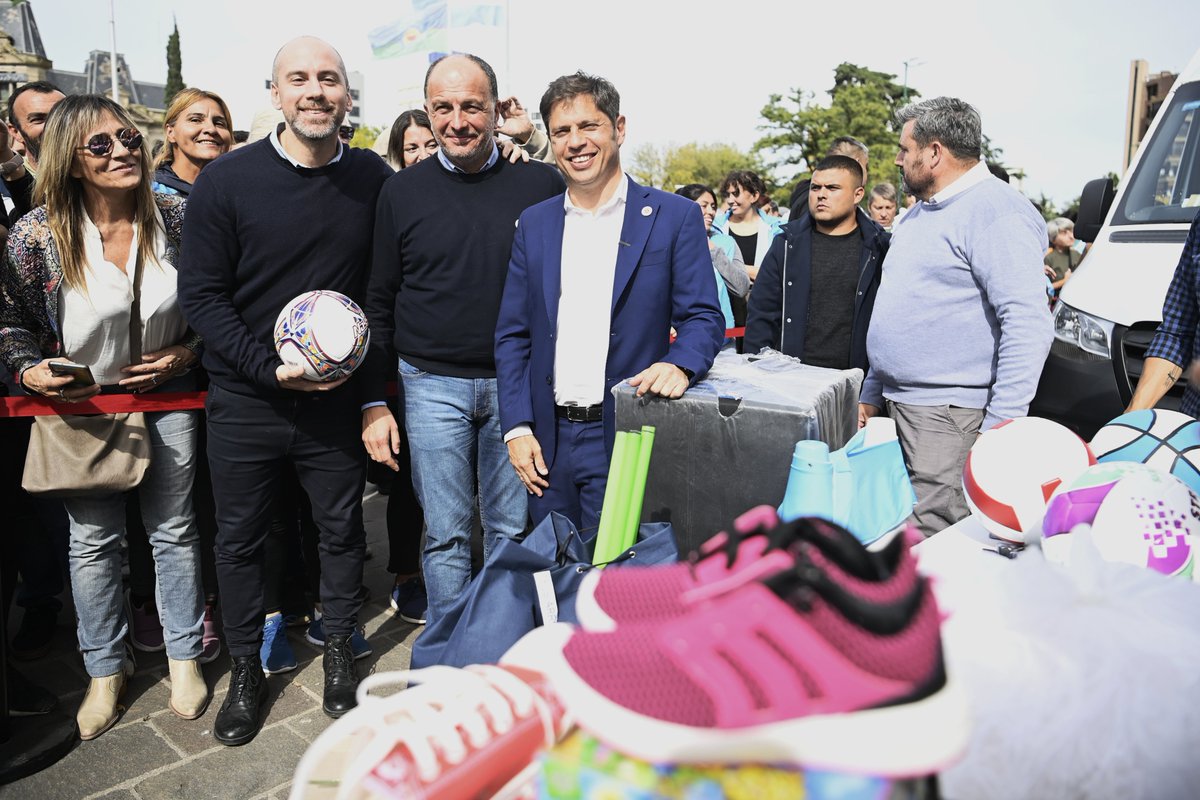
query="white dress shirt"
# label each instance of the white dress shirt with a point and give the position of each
(591, 240)
(589, 262)
(278, 145)
(95, 322)
(976, 174)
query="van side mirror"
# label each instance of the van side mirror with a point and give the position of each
(1094, 203)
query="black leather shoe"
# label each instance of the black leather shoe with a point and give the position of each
(240, 716)
(341, 680)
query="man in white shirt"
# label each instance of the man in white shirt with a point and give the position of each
(598, 277)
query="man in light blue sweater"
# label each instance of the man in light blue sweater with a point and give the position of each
(961, 328)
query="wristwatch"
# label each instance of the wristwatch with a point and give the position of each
(12, 165)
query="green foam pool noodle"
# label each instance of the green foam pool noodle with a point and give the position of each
(637, 492)
(616, 544)
(608, 510)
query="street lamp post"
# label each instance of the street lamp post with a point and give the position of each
(112, 56)
(909, 62)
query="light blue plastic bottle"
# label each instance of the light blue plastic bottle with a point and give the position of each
(810, 483)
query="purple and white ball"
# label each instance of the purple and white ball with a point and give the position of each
(1138, 515)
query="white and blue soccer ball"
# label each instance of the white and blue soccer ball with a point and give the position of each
(324, 332)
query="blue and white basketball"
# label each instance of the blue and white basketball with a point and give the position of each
(324, 332)
(1166, 440)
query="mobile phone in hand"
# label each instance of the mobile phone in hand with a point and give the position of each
(81, 373)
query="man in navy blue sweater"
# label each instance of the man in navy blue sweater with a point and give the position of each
(291, 213)
(443, 233)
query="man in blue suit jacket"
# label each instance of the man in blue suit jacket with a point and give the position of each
(598, 278)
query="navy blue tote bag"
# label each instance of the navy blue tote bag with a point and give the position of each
(503, 602)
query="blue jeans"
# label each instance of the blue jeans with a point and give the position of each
(458, 454)
(97, 526)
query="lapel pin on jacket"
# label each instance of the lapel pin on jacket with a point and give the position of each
(647, 211)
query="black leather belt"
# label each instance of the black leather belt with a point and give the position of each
(580, 413)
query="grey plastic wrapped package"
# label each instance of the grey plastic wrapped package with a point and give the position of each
(726, 445)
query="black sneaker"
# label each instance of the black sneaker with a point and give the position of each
(36, 634)
(341, 680)
(27, 699)
(240, 716)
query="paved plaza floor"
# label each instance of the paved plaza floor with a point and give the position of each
(152, 754)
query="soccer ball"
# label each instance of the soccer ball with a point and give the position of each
(324, 332)
(1138, 515)
(1014, 468)
(1166, 440)
(1150, 519)
(1077, 503)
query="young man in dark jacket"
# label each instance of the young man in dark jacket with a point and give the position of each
(817, 284)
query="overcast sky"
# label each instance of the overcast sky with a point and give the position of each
(1050, 79)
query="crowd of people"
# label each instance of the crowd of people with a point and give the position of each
(511, 279)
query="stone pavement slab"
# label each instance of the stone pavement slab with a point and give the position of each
(153, 755)
(223, 773)
(112, 759)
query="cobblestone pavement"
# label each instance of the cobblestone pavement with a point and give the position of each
(153, 755)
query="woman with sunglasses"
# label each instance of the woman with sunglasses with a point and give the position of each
(198, 130)
(67, 294)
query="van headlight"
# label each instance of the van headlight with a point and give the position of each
(1086, 332)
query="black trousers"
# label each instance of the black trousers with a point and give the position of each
(251, 440)
(405, 519)
(293, 580)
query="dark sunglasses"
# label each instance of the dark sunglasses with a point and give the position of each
(346, 131)
(101, 144)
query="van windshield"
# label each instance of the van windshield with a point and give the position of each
(1165, 186)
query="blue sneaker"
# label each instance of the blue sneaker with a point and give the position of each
(409, 600)
(276, 652)
(358, 643)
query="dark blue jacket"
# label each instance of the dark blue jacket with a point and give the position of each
(664, 279)
(778, 312)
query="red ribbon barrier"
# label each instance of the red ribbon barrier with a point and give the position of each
(735, 333)
(112, 403)
(102, 404)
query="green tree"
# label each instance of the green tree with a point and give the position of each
(991, 153)
(1045, 205)
(175, 82)
(365, 136)
(673, 166)
(798, 130)
(884, 84)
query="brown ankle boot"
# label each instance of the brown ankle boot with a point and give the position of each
(100, 709)
(189, 692)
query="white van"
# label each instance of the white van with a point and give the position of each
(1109, 309)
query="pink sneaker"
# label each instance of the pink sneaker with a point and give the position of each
(211, 642)
(759, 546)
(145, 630)
(798, 668)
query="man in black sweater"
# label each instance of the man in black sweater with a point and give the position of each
(443, 233)
(291, 213)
